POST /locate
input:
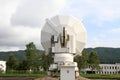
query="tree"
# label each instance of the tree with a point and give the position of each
(12, 62)
(45, 61)
(94, 60)
(32, 56)
(82, 60)
(23, 65)
(78, 59)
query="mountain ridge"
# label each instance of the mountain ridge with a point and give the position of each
(106, 54)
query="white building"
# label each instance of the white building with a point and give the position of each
(105, 69)
(3, 66)
(109, 69)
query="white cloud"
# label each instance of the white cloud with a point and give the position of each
(115, 30)
(33, 12)
(7, 8)
(9, 48)
(98, 11)
(95, 42)
(21, 21)
(19, 36)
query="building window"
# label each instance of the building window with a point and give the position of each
(113, 72)
(104, 67)
(112, 67)
(105, 72)
(115, 67)
(110, 72)
(102, 72)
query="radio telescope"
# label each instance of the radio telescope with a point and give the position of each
(63, 37)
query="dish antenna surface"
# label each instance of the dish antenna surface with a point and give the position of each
(63, 37)
(55, 25)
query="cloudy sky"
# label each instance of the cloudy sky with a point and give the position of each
(22, 20)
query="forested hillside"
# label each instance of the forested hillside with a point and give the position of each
(106, 55)
(20, 55)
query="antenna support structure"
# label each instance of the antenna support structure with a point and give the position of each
(63, 37)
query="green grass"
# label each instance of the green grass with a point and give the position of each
(98, 76)
(40, 75)
(22, 75)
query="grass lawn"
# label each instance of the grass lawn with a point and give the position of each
(98, 76)
(22, 75)
(38, 75)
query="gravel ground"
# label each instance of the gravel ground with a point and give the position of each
(105, 79)
(80, 78)
(45, 78)
(57, 78)
(17, 78)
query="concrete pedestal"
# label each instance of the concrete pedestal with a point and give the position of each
(67, 73)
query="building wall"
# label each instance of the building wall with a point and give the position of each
(109, 69)
(105, 69)
(3, 66)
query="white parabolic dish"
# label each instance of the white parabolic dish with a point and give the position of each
(55, 25)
